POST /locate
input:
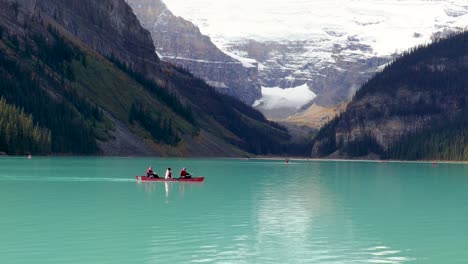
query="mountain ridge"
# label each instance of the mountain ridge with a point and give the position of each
(102, 97)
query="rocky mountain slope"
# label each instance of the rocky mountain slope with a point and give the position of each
(87, 73)
(414, 109)
(108, 27)
(180, 42)
(333, 47)
(316, 116)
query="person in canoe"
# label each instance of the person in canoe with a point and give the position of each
(168, 174)
(184, 174)
(150, 173)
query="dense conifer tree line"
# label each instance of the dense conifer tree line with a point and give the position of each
(165, 96)
(428, 67)
(361, 146)
(446, 140)
(54, 106)
(161, 129)
(19, 135)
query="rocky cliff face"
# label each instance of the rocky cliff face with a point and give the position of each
(109, 27)
(180, 42)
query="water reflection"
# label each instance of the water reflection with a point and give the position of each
(304, 219)
(286, 222)
(166, 188)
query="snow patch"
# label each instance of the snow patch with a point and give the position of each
(246, 62)
(159, 55)
(276, 97)
(217, 84)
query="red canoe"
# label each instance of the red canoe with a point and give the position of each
(195, 179)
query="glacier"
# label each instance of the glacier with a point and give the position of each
(288, 100)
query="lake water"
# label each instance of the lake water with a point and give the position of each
(92, 210)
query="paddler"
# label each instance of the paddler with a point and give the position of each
(184, 174)
(168, 174)
(150, 173)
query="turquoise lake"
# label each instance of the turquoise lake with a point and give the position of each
(92, 210)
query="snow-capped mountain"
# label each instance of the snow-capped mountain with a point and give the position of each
(332, 46)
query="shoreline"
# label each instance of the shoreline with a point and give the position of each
(251, 158)
(363, 160)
